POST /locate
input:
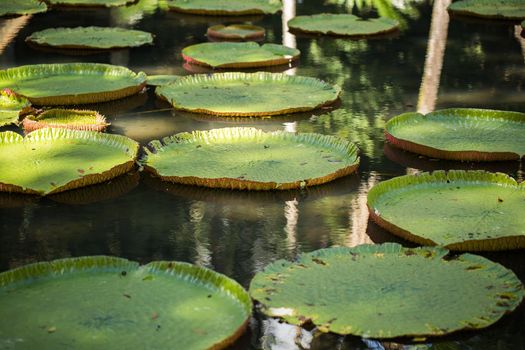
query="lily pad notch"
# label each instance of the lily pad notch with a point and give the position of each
(66, 119)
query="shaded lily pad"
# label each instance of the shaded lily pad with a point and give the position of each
(250, 159)
(342, 24)
(460, 210)
(72, 83)
(90, 38)
(387, 291)
(236, 32)
(495, 9)
(161, 79)
(11, 106)
(22, 7)
(54, 160)
(113, 303)
(239, 55)
(66, 119)
(248, 94)
(229, 8)
(91, 3)
(460, 134)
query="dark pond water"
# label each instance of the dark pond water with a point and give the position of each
(235, 233)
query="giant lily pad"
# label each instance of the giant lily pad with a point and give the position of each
(54, 160)
(248, 94)
(72, 83)
(247, 158)
(67, 119)
(91, 3)
(460, 210)
(113, 303)
(239, 55)
(496, 9)
(225, 7)
(11, 106)
(387, 291)
(460, 134)
(235, 32)
(21, 7)
(342, 24)
(90, 38)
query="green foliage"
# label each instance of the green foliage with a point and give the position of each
(89, 3)
(496, 9)
(230, 7)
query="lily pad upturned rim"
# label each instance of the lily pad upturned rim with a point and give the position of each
(66, 4)
(127, 145)
(209, 136)
(466, 155)
(38, 38)
(56, 268)
(276, 61)
(40, 7)
(199, 78)
(461, 8)
(34, 122)
(279, 270)
(212, 12)
(46, 70)
(216, 33)
(441, 176)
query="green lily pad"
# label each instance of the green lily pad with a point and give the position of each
(248, 94)
(496, 9)
(235, 32)
(228, 8)
(161, 79)
(90, 38)
(66, 119)
(460, 134)
(250, 159)
(239, 55)
(342, 24)
(53, 160)
(11, 106)
(387, 291)
(113, 303)
(460, 210)
(91, 3)
(72, 83)
(22, 7)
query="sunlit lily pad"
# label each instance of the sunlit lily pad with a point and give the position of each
(460, 134)
(67, 119)
(460, 210)
(235, 32)
(90, 38)
(250, 159)
(342, 24)
(91, 3)
(72, 83)
(387, 291)
(496, 9)
(239, 55)
(54, 160)
(21, 7)
(248, 94)
(11, 106)
(229, 7)
(113, 303)
(161, 79)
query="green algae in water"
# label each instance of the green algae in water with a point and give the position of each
(113, 303)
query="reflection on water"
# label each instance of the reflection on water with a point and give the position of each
(237, 233)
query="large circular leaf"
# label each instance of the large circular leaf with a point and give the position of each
(497, 9)
(460, 134)
(239, 55)
(247, 158)
(248, 94)
(11, 106)
(342, 24)
(235, 32)
(67, 119)
(90, 38)
(22, 7)
(91, 3)
(460, 210)
(72, 83)
(387, 291)
(230, 7)
(112, 303)
(54, 160)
